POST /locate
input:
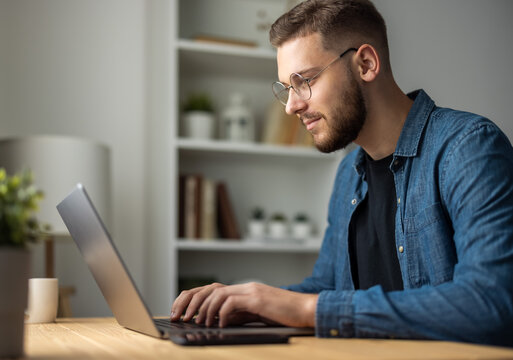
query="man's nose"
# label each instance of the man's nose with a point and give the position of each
(294, 104)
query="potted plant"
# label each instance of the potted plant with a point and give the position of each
(198, 116)
(301, 226)
(19, 199)
(256, 224)
(278, 228)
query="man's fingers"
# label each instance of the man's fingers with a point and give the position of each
(194, 304)
(190, 301)
(202, 312)
(232, 305)
(209, 309)
(181, 303)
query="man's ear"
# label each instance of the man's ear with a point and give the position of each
(368, 62)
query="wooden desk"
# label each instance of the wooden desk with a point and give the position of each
(103, 338)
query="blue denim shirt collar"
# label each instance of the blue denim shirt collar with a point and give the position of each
(412, 130)
(414, 125)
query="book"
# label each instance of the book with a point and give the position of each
(303, 137)
(292, 129)
(181, 206)
(226, 220)
(274, 124)
(192, 206)
(205, 210)
(283, 129)
(208, 221)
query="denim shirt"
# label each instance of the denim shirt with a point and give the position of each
(453, 174)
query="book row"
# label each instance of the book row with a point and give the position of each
(205, 209)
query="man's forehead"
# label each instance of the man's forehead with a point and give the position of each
(300, 54)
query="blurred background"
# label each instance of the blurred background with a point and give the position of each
(117, 72)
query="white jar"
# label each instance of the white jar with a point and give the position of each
(237, 120)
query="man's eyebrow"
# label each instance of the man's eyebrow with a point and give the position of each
(311, 70)
(306, 71)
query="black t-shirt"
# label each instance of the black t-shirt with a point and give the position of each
(372, 247)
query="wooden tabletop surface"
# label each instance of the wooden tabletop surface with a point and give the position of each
(103, 338)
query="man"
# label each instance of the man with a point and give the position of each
(419, 241)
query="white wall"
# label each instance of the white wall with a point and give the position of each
(78, 68)
(459, 51)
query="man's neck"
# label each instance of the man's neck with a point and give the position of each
(387, 110)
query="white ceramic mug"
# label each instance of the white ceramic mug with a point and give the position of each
(43, 300)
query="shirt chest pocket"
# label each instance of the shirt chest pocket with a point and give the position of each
(431, 253)
(423, 219)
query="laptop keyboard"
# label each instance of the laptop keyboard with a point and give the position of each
(174, 325)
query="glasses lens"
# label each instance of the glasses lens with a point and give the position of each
(301, 86)
(281, 92)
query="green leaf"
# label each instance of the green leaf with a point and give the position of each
(19, 199)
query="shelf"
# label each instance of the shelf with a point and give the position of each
(204, 59)
(202, 151)
(225, 147)
(310, 246)
(221, 49)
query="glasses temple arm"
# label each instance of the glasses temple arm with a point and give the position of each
(324, 68)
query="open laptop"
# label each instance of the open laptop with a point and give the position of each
(125, 301)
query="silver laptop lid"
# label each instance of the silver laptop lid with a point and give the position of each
(109, 271)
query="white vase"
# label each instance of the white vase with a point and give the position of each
(199, 124)
(14, 275)
(237, 120)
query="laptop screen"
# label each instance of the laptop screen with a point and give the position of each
(109, 271)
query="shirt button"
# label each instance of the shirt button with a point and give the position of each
(401, 249)
(353, 201)
(396, 163)
(334, 332)
(398, 200)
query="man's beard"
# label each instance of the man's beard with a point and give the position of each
(346, 120)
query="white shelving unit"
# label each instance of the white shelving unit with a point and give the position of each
(288, 179)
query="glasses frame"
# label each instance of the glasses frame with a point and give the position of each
(286, 88)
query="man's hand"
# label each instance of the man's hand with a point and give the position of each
(243, 303)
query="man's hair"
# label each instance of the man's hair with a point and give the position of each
(339, 22)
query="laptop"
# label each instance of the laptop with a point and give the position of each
(126, 303)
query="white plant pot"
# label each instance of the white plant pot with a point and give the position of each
(256, 229)
(199, 124)
(301, 230)
(278, 230)
(14, 274)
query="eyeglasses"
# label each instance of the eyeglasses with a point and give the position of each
(300, 84)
